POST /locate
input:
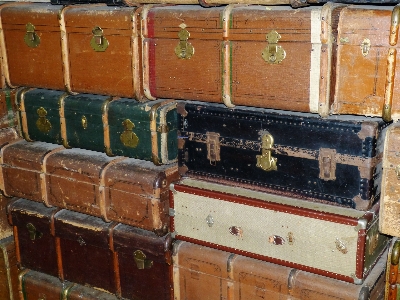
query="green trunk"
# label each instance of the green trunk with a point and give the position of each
(42, 114)
(83, 120)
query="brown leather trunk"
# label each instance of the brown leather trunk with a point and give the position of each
(21, 168)
(144, 261)
(34, 235)
(8, 270)
(135, 192)
(172, 69)
(31, 39)
(6, 229)
(83, 250)
(366, 63)
(204, 273)
(103, 54)
(8, 108)
(35, 285)
(72, 178)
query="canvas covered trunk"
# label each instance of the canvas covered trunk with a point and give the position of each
(8, 270)
(205, 273)
(390, 208)
(104, 44)
(100, 123)
(278, 229)
(34, 235)
(84, 252)
(336, 159)
(144, 260)
(30, 39)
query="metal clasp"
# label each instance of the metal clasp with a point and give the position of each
(43, 124)
(327, 164)
(141, 261)
(273, 53)
(84, 122)
(31, 38)
(365, 46)
(98, 42)
(213, 147)
(33, 233)
(184, 50)
(265, 161)
(397, 170)
(128, 137)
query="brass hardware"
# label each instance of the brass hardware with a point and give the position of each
(163, 128)
(84, 122)
(235, 230)
(387, 113)
(128, 137)
(276, 240)
(31, 38)
(43, 124)
(98, 42)
(365, 46)
(341, 246)
(373, 243)
(394, 26)
(141, 261)
(184, 50)
(273, 53)
(33, 233)
(210, 220)
(344, 40)
(265, 161)
(213, 147)
(81, 241)
(290, 238)
(397, 170)
(327, 164)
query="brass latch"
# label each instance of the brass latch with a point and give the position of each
(33, 233)
(327, 164)
(141, 261)
(43, 124)
(273, 53)
(213, 147)
(397, 170)
(84, 122)
(163, 128)
(184, 50)
(265, 161)
(365, 46)
(98, 42)
(128, 137)
(31, 38)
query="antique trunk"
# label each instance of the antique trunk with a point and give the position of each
(104, 44)
(8, 108)
(145, 131)
(36, 285)
(22, 171)
(79, 292)
(336, 159)
(270, 49)
(31, 38)
(144, 260)
(8, 270)
(34, 235)
(278, 229)
(182, 52)
(5, 228)
(135, 192)
(392, 285)
(205, 273)
(390, 206)
(72, 179)
(83, 250)
(367, 45)
(39, 114)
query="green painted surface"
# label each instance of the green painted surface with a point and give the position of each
(49, 100)
(88, 107)
(139, 114)
(172, 135)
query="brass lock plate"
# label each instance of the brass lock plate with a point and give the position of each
(128, 137)
(273, 53)
(184, 50)
(365, 47)
(213, 147)
(43, 124)
(34, 234)
(265, 161)
(141, 260)
(31, 38)
(98, 42)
